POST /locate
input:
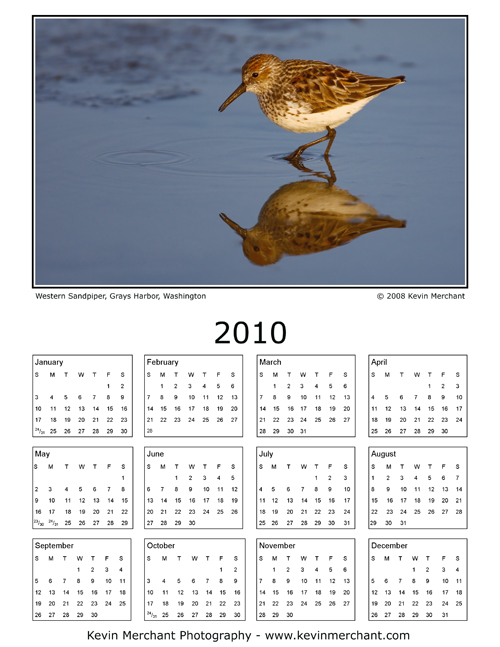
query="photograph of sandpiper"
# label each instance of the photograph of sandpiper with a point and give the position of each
(154, 164)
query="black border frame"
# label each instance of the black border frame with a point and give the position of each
(250, 287)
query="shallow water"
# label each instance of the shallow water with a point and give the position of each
(134, 163)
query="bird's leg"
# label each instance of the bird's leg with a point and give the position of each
(332, 178)
(330, 135)
(296, 154)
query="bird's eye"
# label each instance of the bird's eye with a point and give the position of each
(255, 74)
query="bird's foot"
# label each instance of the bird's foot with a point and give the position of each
(294, 156)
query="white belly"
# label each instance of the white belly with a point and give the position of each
(299, 120)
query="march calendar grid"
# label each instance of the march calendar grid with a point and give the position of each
(301, 395)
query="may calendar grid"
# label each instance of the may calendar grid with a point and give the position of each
(300, 567)
(83, 488)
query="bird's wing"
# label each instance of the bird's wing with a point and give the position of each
(330, 86)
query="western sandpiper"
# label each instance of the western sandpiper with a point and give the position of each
(308, 96)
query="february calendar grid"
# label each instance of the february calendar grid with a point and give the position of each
(193, 396)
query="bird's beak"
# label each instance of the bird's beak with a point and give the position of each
(242, 232)
(239, 90)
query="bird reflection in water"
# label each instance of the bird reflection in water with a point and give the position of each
(308, 217)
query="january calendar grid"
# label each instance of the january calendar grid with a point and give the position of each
(299, 486)
(82, 396)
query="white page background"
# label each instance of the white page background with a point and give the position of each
(318, 321)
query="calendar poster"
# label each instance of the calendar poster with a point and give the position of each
(250, 343)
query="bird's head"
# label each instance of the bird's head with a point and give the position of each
(258, 75)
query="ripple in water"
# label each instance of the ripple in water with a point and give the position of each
(142, 158)
(236, 157)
